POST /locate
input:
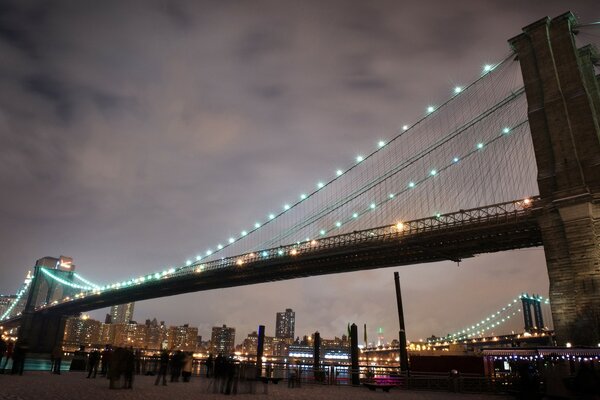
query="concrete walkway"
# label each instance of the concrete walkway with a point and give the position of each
(75, 386)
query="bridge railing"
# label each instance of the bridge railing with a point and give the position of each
(492, 213)
(496, 213)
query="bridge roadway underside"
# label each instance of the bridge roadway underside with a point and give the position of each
(454, 243)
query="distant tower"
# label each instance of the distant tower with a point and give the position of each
(380, 339)
(285, 324)
(121, 314)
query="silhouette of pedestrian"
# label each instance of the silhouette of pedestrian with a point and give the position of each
(186, 367)
(209, 365)
(93, 361)
(116, 367)
(138, 361)
(3, 347)
(220, 373)
(56, 359)
(19, 355)
(176, 364)
(105, 358)
(162, 368)
(129, 368)
(9, 354)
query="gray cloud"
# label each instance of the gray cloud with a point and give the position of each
(135, 134)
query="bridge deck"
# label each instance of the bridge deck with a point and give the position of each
(454, 236)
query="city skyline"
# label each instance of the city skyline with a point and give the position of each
(122, 145)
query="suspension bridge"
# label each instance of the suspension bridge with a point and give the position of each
(509, 161)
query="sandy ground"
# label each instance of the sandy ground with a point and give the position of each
(74, 385)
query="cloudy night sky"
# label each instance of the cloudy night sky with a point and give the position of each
(137, 133)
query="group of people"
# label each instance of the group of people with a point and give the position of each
(16, 352)
(179, 363)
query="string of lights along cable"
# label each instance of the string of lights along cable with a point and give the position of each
(471, 150)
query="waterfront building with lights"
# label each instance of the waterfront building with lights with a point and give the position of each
(81, 331)
(183, 337)
(285, 324)
(222, 340)
(122, 313)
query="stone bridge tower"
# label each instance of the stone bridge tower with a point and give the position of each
(563, 108)
(42, 330)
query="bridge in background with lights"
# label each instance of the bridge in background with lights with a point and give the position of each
(526, 129)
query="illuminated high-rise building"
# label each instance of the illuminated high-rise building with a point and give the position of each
(183, 337)
(285, 324)
(222, 340)
(129, 334)
(156, 334)
(122, 313)
(81, 331)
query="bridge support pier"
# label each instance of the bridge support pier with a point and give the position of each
(563, 109)
(41, 332)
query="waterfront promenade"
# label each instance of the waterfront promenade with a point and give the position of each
(74, 386)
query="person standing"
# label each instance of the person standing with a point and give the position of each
(176, 363)
(105, 358)
(9, 353)
(162, 368)
(19, 354)
(56, 359)
(93, 361)
(186, 369)
(129, 368)
(209, 365)
(3, 347)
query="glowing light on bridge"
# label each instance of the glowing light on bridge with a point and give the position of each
(360, 158)
(294, 252)
(382, 143)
